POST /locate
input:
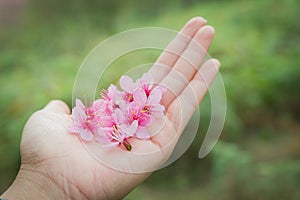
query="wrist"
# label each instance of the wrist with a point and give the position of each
(32, 184)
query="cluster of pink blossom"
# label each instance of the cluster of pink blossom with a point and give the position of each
(120, 115)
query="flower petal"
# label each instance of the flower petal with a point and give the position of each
(162, 89)
(86, 135)
(119, 116)
(132, 128)
(106, 121)
(145, 119)
(72, 129)
(157, 111)
(122, 105)
(140, 97)
(127, 84)
(146, 79)
(111, 89)
(102, 140)
(79, 104)
(100, 137)
(79, 116)
(155, 96)
(128, 130)
(142, 133)
(98, 106)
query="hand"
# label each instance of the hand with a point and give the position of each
(55, 164)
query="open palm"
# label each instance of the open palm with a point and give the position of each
(61, 160)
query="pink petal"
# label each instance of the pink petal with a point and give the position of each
(106, 130)
(155, 96)
(142, 133)
(145, 120)
(99, 137)
(98, 106)
(114, 94)
(79, 104)
(123, 129)
(112, 144)
(79, 115)
(127, 84)
(157, 111)
(94, 126)
(119, 116)
(162, 89)
(131, 130)
(111, 89)
(102, 137)
(106, 121)
(134, 126)
(146, 79)
(86, 135)
(72, 129)
(122, 105)
(109, 92)
(140, 97)
(105, 141)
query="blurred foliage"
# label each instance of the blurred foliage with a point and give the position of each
(257, 43)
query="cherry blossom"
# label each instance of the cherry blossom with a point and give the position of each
(117, 116)
(85, 119)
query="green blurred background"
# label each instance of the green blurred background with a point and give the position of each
(42, 44)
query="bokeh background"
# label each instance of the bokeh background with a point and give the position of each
(43, 43)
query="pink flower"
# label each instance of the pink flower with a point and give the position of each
(134, 112)
(146, 83)
(127, 84)
(149, 105)
(140, 120)
(143, 102)
(116, 138)
(112, 96)
(96, 109)
(119, 132)
(144, 108)
(110, 136)
(85, 119)
(120, 115)
(122, 125)
(128, 129)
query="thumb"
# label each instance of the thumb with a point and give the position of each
(57, 106)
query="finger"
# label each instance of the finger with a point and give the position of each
(188, 101)
(57, 106)
(183, 107)
(188, 64)
(170, 55)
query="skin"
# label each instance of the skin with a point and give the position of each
(54, 163)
